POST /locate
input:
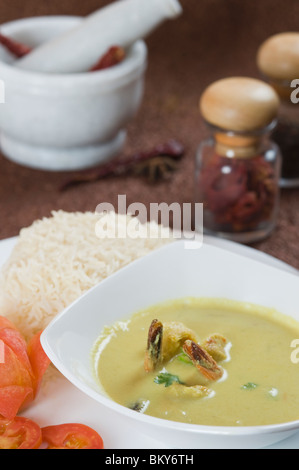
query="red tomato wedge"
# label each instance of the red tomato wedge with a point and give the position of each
(14, 340)
(38, 360)
(71, 436)
(21, 369)
(20, 433)
(11, 398)
(15, 384)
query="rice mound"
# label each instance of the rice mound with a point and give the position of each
(58, 258)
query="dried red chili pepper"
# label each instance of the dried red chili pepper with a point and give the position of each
(18, 49)
(222, 188)
(238, 194)
(154, 163)
(113, 56)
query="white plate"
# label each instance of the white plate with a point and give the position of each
(60, 401)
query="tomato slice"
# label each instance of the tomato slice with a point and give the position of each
(71, 436)
(19, 433)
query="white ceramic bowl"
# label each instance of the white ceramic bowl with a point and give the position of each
(66, 122)
(174, 271)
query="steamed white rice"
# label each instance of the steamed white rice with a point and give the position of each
(58, 258)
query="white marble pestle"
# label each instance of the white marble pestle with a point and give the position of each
(120, 23)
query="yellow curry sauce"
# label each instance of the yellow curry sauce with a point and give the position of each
(259, 385)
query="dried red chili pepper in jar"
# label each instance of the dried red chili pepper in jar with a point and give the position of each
(238, 168)
(278, 61)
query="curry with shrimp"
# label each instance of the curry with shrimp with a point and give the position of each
(202, 361)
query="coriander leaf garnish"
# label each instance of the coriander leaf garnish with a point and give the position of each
(249, 386)
(167, 379)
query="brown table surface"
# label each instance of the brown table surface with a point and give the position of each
(211, 40)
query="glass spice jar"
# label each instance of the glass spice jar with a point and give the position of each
(238, 167)
(278, 62)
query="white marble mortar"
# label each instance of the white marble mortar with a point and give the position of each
(61, 122)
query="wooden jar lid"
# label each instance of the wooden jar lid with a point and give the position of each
(278, 56)
(239, 104)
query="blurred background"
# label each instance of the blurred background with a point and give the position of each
(212, 39)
